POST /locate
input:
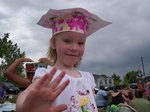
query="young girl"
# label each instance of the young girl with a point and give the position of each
(70, 28)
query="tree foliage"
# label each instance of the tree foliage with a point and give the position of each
(130, 77)
(117, 79)
(9, 52)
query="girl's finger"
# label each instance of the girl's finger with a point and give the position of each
(40, 81)
(57, 80)
(50, 76)
(61, 87)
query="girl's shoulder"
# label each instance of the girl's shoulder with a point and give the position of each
(84, 73)
(87, 75)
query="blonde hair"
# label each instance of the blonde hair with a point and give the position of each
(52, 55)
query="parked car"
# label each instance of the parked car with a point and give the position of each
(96, 90)
(11, 88)
(133, 85)
(2, 90)
(147, 77)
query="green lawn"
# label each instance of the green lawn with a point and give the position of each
(11, 98)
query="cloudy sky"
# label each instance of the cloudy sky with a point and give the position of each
(117, 48)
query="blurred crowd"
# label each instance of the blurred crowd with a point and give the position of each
(125, 98)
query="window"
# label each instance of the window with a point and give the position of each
(110, 81)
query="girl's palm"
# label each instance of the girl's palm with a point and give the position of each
(38, 97)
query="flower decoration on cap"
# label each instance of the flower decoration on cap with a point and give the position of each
(73, 22)
(73, 19)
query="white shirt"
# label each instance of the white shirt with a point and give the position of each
(78, 95)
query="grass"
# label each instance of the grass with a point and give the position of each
(101, 110)
(10, 98)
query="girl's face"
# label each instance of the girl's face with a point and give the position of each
(69, 48)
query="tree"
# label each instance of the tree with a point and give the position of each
(130, 77)
(9, 52)
(117, 79)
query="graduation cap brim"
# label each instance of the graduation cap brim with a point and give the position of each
(94, 22)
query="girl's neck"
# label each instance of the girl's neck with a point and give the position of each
(71, 71)
(64, 67)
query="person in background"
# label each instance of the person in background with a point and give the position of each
(102, 99)
(140, 85)
(131, 95)
(117, 96)
(139, 103)
(147, 90)
(121, 100)
(18, 78)
(12, 74)
(125, 92)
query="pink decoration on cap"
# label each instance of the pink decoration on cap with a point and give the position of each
(73, 22)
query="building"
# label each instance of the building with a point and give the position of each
(103, 80)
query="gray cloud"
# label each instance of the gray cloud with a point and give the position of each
(116, 48)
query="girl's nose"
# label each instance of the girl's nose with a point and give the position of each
(74, 47)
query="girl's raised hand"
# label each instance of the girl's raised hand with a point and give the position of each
(41, 94)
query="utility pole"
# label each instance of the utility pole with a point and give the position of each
(143, 66)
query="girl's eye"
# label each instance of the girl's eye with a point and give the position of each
(67, 41)
(81, 43)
